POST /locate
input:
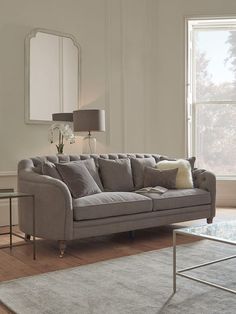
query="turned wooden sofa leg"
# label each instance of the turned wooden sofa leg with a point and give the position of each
(27, 237)
(210, 220)
(62, 247)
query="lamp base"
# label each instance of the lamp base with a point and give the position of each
(89, 144)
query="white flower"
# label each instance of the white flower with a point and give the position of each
(64, 132)
(68, 134)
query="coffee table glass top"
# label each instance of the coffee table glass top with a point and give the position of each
(223, 231)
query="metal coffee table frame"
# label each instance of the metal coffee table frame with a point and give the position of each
(10, 196)
(181, 271)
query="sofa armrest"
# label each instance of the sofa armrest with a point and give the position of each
(53, 206)
(206, 180)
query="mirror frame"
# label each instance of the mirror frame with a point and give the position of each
(33, 34)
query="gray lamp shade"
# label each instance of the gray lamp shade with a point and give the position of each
(89, 120)
(62, 116)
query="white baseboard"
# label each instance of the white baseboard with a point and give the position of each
(226, 202)
(8, 173)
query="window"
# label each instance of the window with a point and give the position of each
(211, 94)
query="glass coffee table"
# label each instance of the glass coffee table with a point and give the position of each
(224, 232)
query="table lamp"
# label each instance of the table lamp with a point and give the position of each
(62, 116)
(88, 120)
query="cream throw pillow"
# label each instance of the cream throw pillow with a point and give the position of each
(184, 178)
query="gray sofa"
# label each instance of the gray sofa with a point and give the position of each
(62, 218)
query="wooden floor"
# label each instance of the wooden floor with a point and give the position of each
(19, 263)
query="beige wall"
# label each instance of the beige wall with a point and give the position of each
(116, 38)
(85, 19)
(132, 66)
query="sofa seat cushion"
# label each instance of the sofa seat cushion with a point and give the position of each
(110, 204)
(179, 198)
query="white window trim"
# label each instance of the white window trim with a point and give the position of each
(189, 107)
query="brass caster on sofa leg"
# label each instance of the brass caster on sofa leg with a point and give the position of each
(62, 247)
(27, 237)
(210, 220)
(131, 235)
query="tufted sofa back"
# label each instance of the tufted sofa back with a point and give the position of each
(37, 161)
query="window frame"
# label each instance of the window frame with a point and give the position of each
(190, 104)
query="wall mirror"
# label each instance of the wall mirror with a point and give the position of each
(52, 77)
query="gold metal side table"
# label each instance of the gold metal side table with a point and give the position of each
(10, 196)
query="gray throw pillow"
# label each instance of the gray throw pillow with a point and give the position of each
(92, 168)
(138, 165)
(154, 177)
(191, 160)
(78, 179)
(116, 174)
(49, 169)
(38, 169)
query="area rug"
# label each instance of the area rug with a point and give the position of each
(135, 284)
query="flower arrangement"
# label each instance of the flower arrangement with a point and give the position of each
(64, 133)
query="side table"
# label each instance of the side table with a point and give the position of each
(10, 196)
